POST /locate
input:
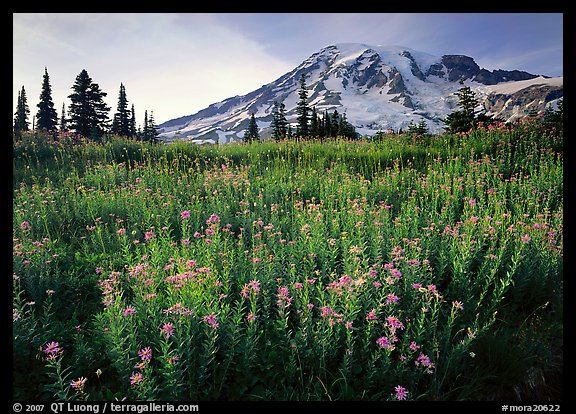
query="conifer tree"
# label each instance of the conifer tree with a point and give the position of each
(132, 123)
(314, 124)
(47, 118)
(334, 123)
(465, 119)
(251, 133)
(63, 120)
(150, 130)
(327, 124)
(279, 122)
(88, 111)
(121, 122)
(302, 109)
(418, 129)
(21, 123)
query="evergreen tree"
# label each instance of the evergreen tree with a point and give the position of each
(418, 129)
(88, 111)
(334, 123)
(251, 133)
(132, 123)
(346, 129)
(21, 115)
(465, 119)
(327, 125)
(279, 123)
(150, 131)
(47, 116)
(63, 120)
(314, 124)
(121, 122)
(554, 118)
(302, 109)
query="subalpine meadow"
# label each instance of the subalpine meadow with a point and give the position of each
(405, 268)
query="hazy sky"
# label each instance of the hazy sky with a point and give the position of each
(175, 64)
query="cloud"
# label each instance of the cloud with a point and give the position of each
(172, 64)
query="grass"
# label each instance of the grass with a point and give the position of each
(425, 268)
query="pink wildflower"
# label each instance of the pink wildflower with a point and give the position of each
(371, 316)
(401, 392)
(167, 329)
(78, 384)
(145, 354)
(136, 378)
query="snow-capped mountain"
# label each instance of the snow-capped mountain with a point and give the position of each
(377, 87)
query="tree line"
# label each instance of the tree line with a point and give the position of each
(87, 114)
(309, 125)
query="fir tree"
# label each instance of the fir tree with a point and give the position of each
(314, 124)
(63, 120)
(88, 111)
(121, 122)
(279, 123)
(251, 133)
(302, 109)
(132, 123)
(334, 123)
(418, 129)
(327, 132)
(465, 119)
(554, 118)
(21, 123)
(150, 130)
(47, 118)
(346, 129)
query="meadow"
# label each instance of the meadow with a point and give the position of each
(406, 268)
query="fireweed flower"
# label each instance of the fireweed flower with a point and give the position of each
(251, 287)
(326, 311)
(148, 235)
(213, 219)
(401, 392)
(283, 296)
(424, 360)
(371, 316)
(130, 310)
(385, 343)
(185, 214)
(78, 384)
(211, 320)
(391, 298)
(393, 323)
(167, 329)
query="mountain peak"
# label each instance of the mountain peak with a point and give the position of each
(378, 87)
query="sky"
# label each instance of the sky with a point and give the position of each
(175, 64)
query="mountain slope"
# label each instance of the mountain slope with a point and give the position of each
(377, 87)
